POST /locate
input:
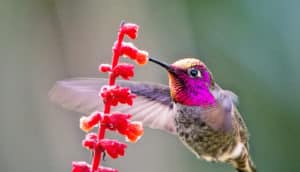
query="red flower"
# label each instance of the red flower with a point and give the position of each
(105, 68)
(120, 122)
(129, 29)
(90, 141)
(134, 131)
(87, 123)
(125, 70)
(142, 57)
(128, 49)
(115, 94)
(117, 121)
(113, 148)
(82, 166)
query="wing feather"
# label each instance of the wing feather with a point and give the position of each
(153, 105)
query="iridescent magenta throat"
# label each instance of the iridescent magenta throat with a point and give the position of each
(194, 92)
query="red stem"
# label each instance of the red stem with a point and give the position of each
(101, 131)
(96, 159)
(116, 54)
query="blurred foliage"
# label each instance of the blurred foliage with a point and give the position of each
(252, 48)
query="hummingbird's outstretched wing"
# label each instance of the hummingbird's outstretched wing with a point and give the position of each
(153, 105)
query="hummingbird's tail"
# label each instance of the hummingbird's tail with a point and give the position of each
(243, 163)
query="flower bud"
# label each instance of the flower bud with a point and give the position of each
(113, 148)
(90, 141)
(87, 123)
(80, 166)
(116, 94)
(125, 70)
(130, 29)
(129, 50)
(105, 68)
(134, 131)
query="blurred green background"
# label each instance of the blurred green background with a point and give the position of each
(252, 47)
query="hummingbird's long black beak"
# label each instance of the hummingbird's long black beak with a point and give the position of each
(161, 63)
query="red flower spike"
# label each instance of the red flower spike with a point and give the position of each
(125, 70)
(87, 123)
(116, 94)
(112, 95)
(105, 68)
(80, 166)
(90, 141)
(134, 131)
(130, 29)
(113, 148)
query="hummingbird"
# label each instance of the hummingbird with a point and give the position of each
(192, 107)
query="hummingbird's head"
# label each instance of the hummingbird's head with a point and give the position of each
(190, 82)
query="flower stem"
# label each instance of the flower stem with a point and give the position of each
(112, 79)
(116, 54)
(96, 160)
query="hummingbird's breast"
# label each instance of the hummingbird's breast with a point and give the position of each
(199, 136)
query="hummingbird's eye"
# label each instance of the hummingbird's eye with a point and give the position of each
(194, 73)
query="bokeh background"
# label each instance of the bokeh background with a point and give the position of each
(251, 46)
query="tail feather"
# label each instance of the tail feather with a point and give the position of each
(243, 163)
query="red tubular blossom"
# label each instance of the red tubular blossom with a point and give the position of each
(90, 141)
(116, 94)
(81, 166)
(142, 57)
(105, 68)
(129, 50)
(134, 131)
(125, 70)
(113, 148)
(87, 123)
(130, 29)
(119, 122)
